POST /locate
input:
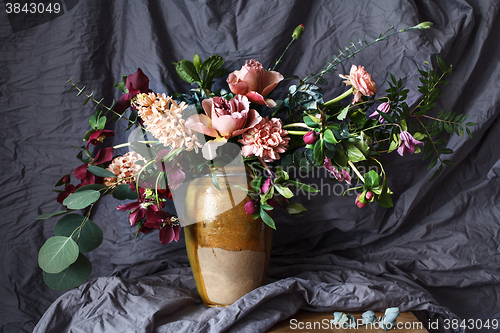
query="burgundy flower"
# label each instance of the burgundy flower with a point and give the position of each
(98, 136)
(408, 143)
(339, 175)
(136, 83)
(69, 189)
(142, 208)
(163, 221)
(311, 137)
(103, 155)
(252, 207)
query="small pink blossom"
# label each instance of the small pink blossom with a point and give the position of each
(385, 108)
(361, 81)
(368, 197)
(408, 143)
(339, 175)
(255, 83)
(252, 207)
(267, 140)
(224, 118)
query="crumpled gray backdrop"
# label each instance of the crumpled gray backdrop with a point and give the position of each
(436, 251)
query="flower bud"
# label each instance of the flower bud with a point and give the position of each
(298, 32)
(311, 137)
(358, 202)
(66, 179)
(369, 195)
(252, 207)
(266, 186)
(423, 25)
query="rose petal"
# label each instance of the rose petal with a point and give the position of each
(270, 80)
(255, 97)
(202, 124)
(236, 86)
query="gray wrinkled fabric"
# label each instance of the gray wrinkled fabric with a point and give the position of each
(435, 252)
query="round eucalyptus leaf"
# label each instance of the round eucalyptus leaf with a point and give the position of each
(71, 277)
(122, 192)
(57, 254)
(100, 172)
(81, 199)
(89, 235)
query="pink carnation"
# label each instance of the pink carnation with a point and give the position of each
(267, 139)
(361, 81)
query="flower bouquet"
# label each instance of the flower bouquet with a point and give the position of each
(178, 138)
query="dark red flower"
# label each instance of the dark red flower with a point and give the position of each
(136, 83)
(103, 155)
(98, 136)
(67, 191)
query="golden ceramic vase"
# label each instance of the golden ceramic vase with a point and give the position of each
(227, 249)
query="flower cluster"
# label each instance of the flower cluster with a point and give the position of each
(243, 123)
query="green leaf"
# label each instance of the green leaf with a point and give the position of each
(100, 172)
(311, 121)
(101, 123)
(301, 186)
(256, 183)
(81, 91)
(319, 155)
(295, 208)
(329, 137)
(186, 71)
(215, 181)
(123, 192)
(71, 277)
(437, 173)
(49, 215)
(197, 62)
(371, 179)
(266, 196)
(343, 114)
(96, 187)
(445, 151)
(442, 65)
(88, 237)
(353, 153)
(385, 200)
(341, 158)
(57, 254)
(81, 199)
(283, 190)
(267, 219)
(213, 62)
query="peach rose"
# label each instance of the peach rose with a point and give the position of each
(361, 81)
(255, 83)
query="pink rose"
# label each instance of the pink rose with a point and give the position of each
(361, 81)
(224, 118)
(255, 83)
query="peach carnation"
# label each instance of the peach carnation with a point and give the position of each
(267, 139)
(361, 81)
(162, 117)
(125, 168)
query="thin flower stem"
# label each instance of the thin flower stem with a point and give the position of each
(430, 138)
(338, 98)
(297, 132)
(129, 143)
(82, 224)
(356, 171)
(298, 125)
(265, 165)
(279, 59)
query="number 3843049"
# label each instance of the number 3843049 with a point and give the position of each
(471, 324)
(32, 8)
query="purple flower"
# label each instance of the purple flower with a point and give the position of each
(311, 137)
(408, 143)
(384, 107)
(339, 175)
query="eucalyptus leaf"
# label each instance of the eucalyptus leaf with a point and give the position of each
(96, 187)
(100, 172)
(49, 215)
(71, 277)
(123, 192)
(57, 254)
(81, 199)
(88, 235)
